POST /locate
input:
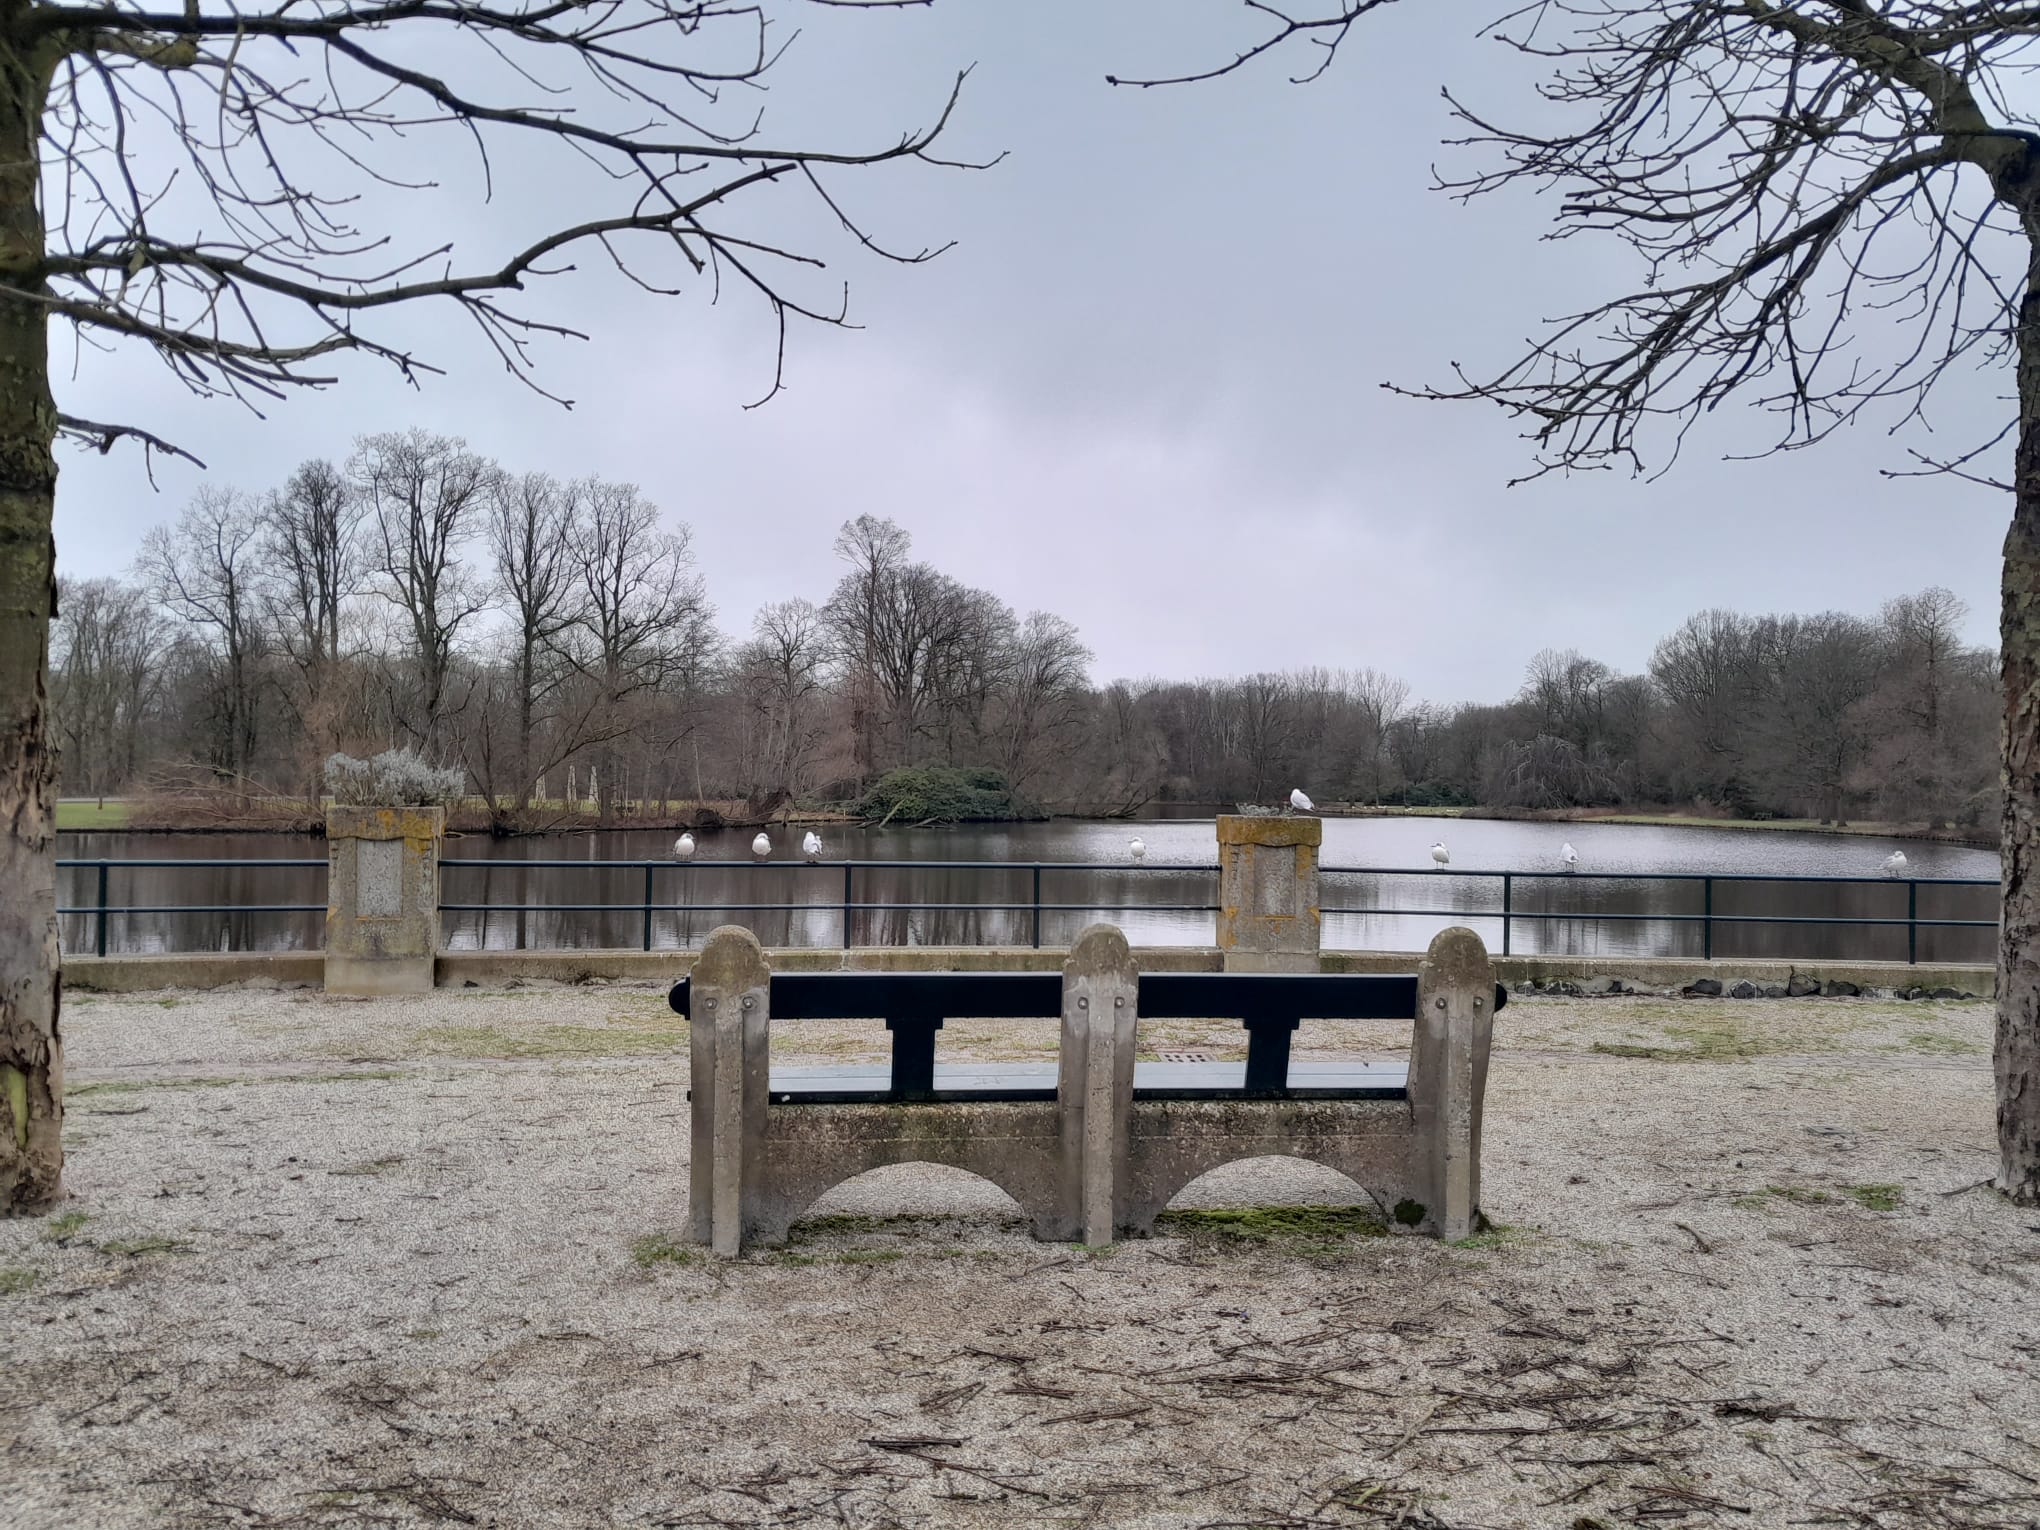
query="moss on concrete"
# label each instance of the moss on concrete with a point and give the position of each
(1876, 1197)
(14, 1281)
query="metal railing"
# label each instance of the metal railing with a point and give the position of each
(100, 909)
(848, 905)
(1707, 918)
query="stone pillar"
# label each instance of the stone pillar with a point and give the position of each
(382, 898)
(1094, 1086)
(1268, 893)
(1448, 1078)
(730, 1038)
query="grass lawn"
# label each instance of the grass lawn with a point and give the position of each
(90, 813)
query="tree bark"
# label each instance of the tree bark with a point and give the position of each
(31, 1048)
(2017, 1053)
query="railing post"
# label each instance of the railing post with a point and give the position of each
(382, 898)
(1507, 885)
(848, 870)
(1269, 918)
(1912, 922)
(648, 905)
(1707, 919)
(1037, 905)
(102, 908)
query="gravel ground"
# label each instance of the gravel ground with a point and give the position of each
(410, 1262)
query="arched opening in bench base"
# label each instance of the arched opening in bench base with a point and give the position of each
(1261, 1176)
(913, 1187)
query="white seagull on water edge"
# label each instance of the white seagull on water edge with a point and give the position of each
(1895, 864)
(762, 845)
(811, 845)
(1570, 856)
(1137, 849)
(1440, 856)
(1300, 803)
(683, 848)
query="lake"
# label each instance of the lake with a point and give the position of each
(1166, 901)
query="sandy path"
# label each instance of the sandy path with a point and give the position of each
(403, 1263)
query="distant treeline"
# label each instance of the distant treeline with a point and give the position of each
(522, 626)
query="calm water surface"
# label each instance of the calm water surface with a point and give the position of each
(1164, 902)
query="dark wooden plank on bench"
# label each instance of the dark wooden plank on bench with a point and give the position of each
(1271, 1004)
(869, 1083)
(913, 1005)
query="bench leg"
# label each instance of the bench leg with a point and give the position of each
(729, 1034)
(1448, 1078)
(1101, 987)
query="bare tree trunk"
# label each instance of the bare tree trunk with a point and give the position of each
(31, 1047)
(2017, 1055)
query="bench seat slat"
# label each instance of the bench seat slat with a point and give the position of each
(870, 1083)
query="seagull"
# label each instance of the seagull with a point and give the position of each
(1570, 856)
(683, 848)
(762, 845)
(1440, 856)
(1895, 864)
(810, 846)
(1300, 803)
(1137, 849)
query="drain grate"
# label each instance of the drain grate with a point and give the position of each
(1183, 1057)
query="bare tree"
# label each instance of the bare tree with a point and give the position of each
(641, 606)
(1043, 695)
(1788, 174)
(187, 179)
(424, 497)
(313, 565)
(531, 531)
(206, 571)
(105, 662)
(782, 672)
(1380, 700)
(876, 550)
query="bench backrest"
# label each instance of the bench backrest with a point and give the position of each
(915, 1004)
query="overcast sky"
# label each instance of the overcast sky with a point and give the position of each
(1142, 391)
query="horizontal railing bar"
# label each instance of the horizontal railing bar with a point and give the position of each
(262, 862)
(1513, 914)
(198, 908)
(823, 865)
(1654, 876)
(836, 907)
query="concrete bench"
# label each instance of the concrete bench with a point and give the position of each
(1094, 1145)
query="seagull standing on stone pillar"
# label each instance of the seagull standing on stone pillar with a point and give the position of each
(1298, 803)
